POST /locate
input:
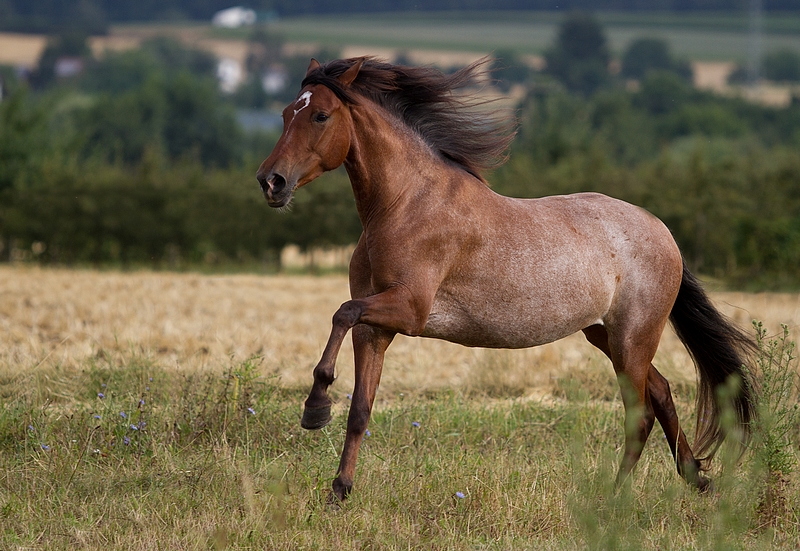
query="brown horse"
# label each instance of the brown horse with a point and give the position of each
(441, 255)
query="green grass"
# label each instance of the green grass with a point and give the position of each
(218, 461)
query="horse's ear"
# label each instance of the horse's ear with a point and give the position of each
(313, 66)
(346, 78)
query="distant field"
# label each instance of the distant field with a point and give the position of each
(449, 37)
(700, 37)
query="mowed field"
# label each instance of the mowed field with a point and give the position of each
(161, 411)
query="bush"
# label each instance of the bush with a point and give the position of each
(782, 65)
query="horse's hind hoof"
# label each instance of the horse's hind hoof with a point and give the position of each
(706, 486)
(316, 418)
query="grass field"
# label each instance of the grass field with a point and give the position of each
(469, 449)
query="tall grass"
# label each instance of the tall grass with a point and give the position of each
(217, 460)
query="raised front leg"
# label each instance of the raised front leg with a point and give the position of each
(393, 310)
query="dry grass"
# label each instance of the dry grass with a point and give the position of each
(210, 454)
(192, 322)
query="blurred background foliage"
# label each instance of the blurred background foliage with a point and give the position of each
(141, 160)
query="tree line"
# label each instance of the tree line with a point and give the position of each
(141, 161)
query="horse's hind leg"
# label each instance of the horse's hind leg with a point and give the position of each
(663, 408)
(631, 363)
(688, 466)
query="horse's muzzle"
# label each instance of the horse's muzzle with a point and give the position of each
(275, 189)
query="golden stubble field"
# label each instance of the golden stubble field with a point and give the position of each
(70, 318)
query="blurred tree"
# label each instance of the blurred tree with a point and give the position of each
(24, 139)
(178, 116)
(197, 124)
(69, 45)
(580, 57)
(120, 72)
(662, 92)
(120, 128)
(508, 69)
(648, 54)
(782, 65)
(172, 56)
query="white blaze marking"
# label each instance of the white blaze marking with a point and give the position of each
(305, 96)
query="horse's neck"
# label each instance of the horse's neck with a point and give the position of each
(388, 163)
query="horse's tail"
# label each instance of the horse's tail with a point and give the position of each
(722, 353)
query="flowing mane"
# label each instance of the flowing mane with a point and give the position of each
(426, 100)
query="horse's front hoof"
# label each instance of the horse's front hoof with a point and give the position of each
(316, 418)
(340, 490)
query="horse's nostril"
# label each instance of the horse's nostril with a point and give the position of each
(277, 183)
(271, 185)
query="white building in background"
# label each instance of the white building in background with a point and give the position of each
(230, 74)
(233, 18)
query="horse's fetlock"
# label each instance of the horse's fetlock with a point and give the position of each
(341, 488)
(324, 377)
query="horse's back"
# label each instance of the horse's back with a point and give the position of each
(546, 268)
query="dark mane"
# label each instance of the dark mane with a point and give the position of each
(426, 100)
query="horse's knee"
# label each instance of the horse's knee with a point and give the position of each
(348, 314)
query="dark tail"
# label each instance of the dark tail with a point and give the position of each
(721, 351)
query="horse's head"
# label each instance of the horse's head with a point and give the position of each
(315, 139)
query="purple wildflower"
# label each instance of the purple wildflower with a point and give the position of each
(251, 411)
(101, 395)
(126, 441)
(45, 447)
(123, 415)
(367, 433)
(134, 427)
(460, 495)
(96, 416)
(30, 428)
(415, 424)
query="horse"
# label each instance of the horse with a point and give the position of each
(443, 256)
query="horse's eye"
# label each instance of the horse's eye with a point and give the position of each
(320, 117)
